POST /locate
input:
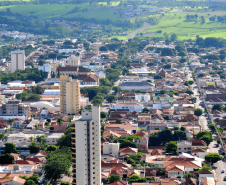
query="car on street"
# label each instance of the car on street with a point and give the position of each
(224, 178)
(222, 171)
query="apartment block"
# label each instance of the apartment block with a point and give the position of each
(86, 148)
(69, 95)
(184, 147)
(17, 60)
(15, 108)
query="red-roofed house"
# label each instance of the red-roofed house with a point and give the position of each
(121, 182)
(24, 162)
(12, 181)
(128, 151)
(16, 156)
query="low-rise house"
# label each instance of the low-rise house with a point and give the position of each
(136, 85)
(157, 104)
(206, 181)
(89, 80)
(179, 168)
(144, 119)
(12, 181)
(206, 173)
(201, 153)
(127, 151)
(100, 74)
(128, 106)
(120, 182)
(55, 127)
(127, 127)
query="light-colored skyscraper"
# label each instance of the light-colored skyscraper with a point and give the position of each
(17, 60)
(69, 95)
(86, 148)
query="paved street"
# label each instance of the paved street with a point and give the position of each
(220, 165)
(203, 121)
(133, 34)
(213, 147)
(106, 106)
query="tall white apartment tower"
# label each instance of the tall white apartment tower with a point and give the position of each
(17, 60)
(86, 148)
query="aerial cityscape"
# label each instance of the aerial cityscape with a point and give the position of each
(128, 92)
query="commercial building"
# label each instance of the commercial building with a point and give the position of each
(86, 148)
(14, 109)
(69, 95)
(17, 60)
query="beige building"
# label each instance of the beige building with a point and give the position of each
(71, 70)
(86, 148)
(73, 60)
(69, 95)
(17, 60)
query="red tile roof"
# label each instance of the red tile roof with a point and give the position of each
(157, 152)
(24, 162)
(127, 150)
(112, 165)
(42, 152)
(35, 160)
(121, 182)
(15, 155)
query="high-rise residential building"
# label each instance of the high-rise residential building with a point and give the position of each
(86, 148)
(69, 95)
(17, 60)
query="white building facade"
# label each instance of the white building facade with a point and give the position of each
(45, 68)
(86, 149)
(17, 60)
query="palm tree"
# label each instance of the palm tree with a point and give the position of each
(60, 121)
(31, 138)
(41, 139)
(11, 121)
(3, 137)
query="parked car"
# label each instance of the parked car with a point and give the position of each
(222, 171)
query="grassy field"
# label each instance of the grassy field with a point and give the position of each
(119, 37)
(62, 10)
(47, 10)
(113, 3)
(98, 14)
(175, 22)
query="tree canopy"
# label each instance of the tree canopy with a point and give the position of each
(205, 136)
(213, 157)
(114, 178)
(58, 162)
(198, 112)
